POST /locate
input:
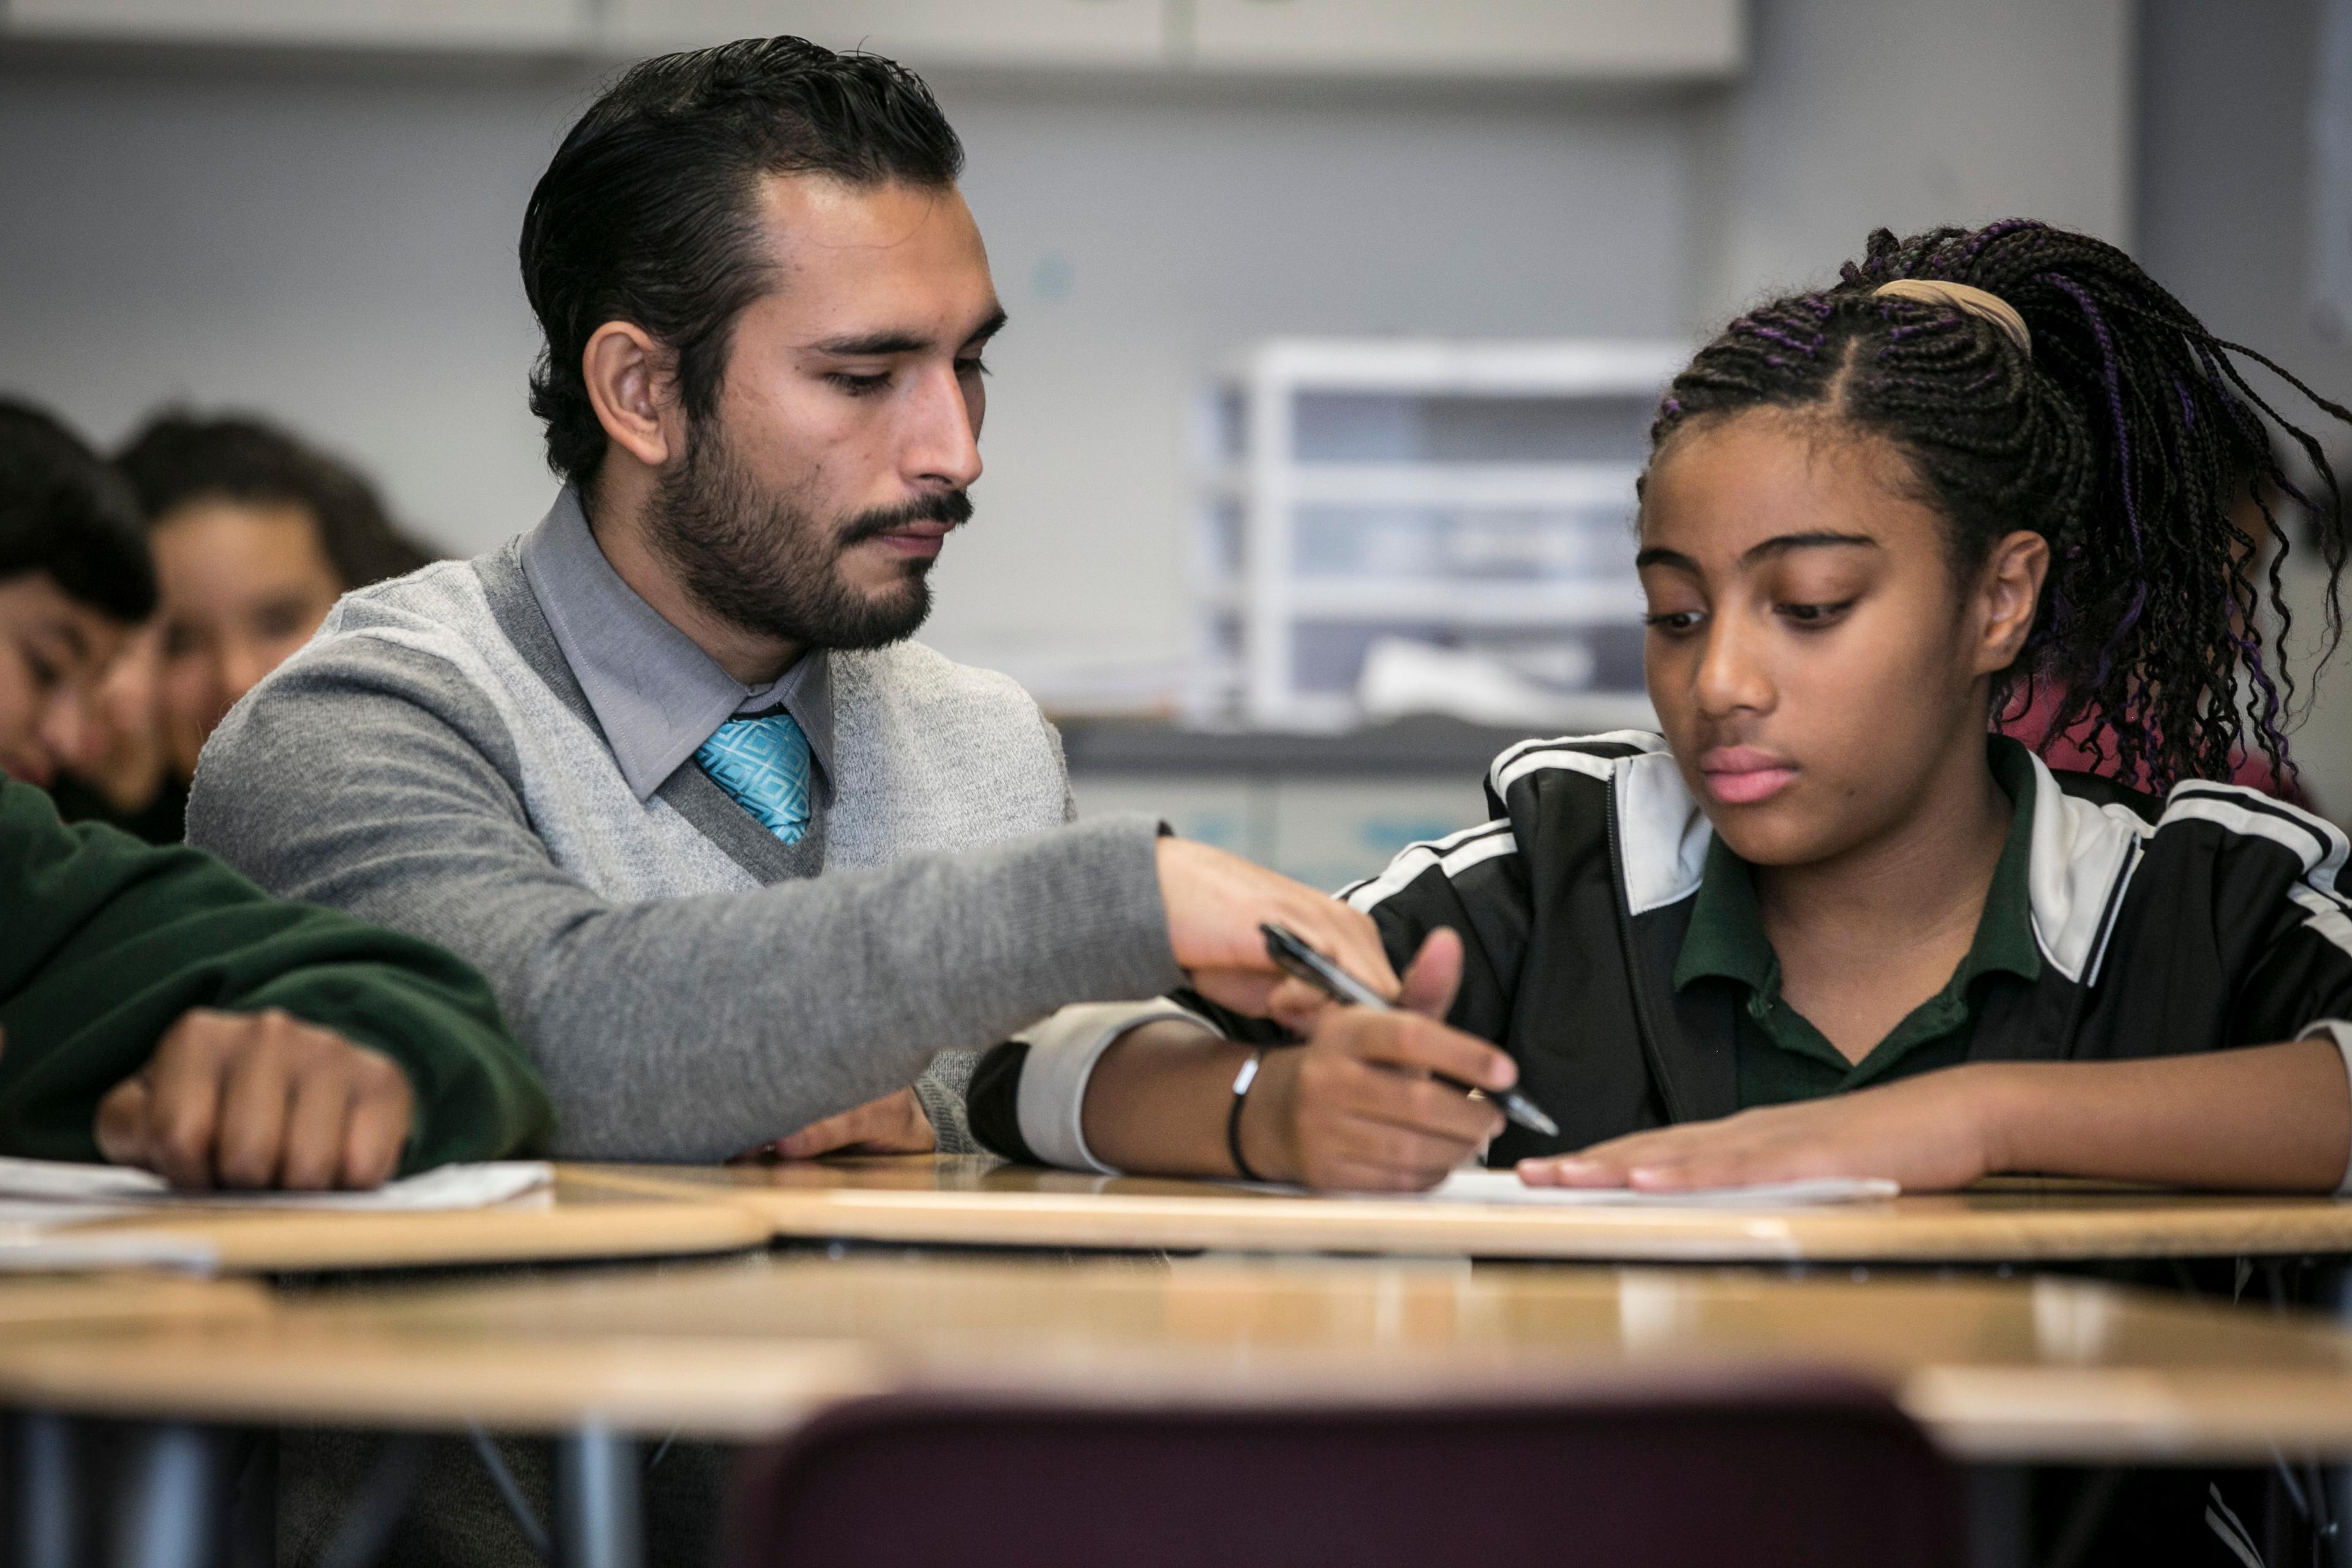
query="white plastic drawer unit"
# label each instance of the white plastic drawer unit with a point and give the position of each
(1477, 497)
(1327, 809)
(1324, 832)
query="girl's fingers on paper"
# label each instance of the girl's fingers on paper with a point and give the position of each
(1699, 1168)
(1571, 1170)
(1867, 1133)
(1677, 1159)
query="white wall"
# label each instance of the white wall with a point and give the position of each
(1905, 114)
(333, 249)
(2223, 221)
(332, 243)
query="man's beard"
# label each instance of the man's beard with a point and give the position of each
(763, 565)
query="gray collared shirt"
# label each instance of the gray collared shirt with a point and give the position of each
(657, 694)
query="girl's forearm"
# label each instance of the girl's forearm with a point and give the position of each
(1158, 1098)
(2265, 1118)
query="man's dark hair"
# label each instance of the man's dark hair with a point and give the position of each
(180, 458)
(2125, 434)
(65, 512)
(648, 212)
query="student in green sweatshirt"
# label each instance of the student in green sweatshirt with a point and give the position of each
(156, 1009)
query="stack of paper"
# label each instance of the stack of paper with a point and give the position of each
(40, 1197)
(120, 1186)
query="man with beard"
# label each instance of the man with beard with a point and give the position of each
(738, 857)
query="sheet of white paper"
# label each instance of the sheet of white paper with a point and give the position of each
(1504, 1187)
(72, 1190)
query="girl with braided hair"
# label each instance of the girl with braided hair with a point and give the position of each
(1830, 922)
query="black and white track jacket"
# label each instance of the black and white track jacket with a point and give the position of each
(2211, 920)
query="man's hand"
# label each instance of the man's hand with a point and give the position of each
(260, 1100)
(1215, 902)
(1356, 1108)
(1929, 1133)
(893, 1124)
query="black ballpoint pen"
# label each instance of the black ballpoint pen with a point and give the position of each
(1294, 957)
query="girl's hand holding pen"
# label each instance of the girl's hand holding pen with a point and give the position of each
(1360, 1106)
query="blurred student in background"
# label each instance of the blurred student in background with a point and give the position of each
(74, 583)
(254, 536)
(156, 1008)
(121, 773)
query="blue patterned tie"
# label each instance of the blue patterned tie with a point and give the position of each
(763, 763)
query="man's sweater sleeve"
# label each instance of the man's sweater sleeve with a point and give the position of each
(370, 777)
(108, 941)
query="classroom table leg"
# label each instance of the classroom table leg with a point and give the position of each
(170, 1518)
(2333, 1546)
(48, 1502)
(372, 1515)
(2334, 1294)
(598, 1518)
(2001, 1533)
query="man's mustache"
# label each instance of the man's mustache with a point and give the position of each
(950, 507)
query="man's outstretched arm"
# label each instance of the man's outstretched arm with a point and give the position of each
(366, 777)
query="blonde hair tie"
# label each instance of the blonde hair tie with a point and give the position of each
(1965, 297)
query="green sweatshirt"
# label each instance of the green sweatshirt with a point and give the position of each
(105, 941)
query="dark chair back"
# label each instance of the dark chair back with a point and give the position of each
(1757, 1472)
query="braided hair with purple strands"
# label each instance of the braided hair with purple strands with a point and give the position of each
(2126, 437)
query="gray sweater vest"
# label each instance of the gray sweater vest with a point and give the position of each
(429, 762)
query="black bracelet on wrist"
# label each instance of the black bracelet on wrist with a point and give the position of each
(1242, 1081)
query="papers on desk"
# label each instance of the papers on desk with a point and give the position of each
(28, 1186)
(39, 1197)
(1472, 1185)
(1504, 1187)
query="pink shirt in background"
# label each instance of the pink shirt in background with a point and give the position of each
(2069, 754)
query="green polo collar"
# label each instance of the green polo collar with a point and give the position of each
(1726, 940)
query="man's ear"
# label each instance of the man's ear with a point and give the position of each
(2009, 591)
(631, 384)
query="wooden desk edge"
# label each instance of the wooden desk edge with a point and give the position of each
(1213, 1221)
(738, 1391)
(723, 1389)
(262, 1241)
